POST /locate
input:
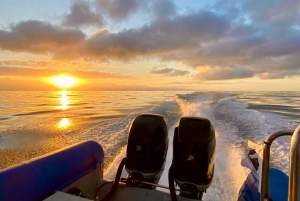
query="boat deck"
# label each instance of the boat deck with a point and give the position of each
(122, 193)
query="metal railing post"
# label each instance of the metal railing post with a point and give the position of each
(294, 180)
(266, 163)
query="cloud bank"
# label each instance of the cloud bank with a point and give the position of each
(227, 40)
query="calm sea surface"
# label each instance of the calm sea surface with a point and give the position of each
(35, 123)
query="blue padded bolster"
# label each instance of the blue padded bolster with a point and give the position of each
(37, 179)
(278, 186)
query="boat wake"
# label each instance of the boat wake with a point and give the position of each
(234, 124)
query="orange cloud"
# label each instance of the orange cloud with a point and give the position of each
(48, 63)
(33, 72)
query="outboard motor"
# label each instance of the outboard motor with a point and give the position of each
(147, 148)
(193, 157)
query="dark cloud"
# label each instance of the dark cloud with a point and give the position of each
(221, 73)
(276, 67)
(33, 72)
(179, 73)
(271, 13)
(161, 70)
(82, 15)
(278, 46)
(281, 63)
(258, 49)
(283, 13)
(119, 9)
(169, 71)
(280, 74)
(38, 37)
(178, 34)
(163, 8)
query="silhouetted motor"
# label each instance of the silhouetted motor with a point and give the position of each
(147, 148)
(193, 156)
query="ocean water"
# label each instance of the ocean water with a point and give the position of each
(35, 123)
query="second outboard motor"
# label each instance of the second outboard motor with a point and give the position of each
(147, 148)
(193, 157)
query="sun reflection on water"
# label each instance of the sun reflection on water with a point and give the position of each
(64, 100)
(64, 122)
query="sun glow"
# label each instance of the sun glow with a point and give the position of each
(64, 81)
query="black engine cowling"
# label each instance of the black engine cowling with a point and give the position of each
(193, 155)
(147, 147)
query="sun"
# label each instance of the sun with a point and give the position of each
(64, 81)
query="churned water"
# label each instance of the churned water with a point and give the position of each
(35, 123)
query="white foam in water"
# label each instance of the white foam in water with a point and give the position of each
(228, 174)
(164, 177)
(111, 171)
(234, 125)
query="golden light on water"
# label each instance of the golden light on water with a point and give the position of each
(64, 122)
(64, 81)
(64, 100)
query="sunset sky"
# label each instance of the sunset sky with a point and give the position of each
(199, 45)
